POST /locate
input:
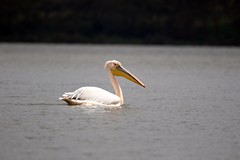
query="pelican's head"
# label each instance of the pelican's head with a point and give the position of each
(117, 69)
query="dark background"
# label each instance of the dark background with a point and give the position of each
(212, 22)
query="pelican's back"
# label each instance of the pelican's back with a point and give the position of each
(91, 96)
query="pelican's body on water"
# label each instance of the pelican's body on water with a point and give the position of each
(94, 96)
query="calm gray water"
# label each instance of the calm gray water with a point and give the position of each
(189, 110)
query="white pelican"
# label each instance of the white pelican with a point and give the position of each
(94, 96)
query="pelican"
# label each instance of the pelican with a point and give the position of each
(94, 96)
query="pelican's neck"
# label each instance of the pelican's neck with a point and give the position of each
(116, 86)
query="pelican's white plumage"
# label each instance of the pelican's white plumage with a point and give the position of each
(99, 97)
(91, 96)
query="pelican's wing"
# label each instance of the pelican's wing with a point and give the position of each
(92, 96)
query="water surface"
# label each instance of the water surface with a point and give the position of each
(190, 108)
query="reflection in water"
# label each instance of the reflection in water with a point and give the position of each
(85, 109)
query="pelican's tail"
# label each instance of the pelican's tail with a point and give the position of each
(66, 95)
(67, 98)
